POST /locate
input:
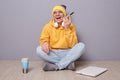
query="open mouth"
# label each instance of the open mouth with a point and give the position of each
(58, 18)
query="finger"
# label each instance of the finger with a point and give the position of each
(66, 19)
(63, 18)
(69, 19)
(45, 49)
(48, 49)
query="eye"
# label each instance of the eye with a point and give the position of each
(55, 12)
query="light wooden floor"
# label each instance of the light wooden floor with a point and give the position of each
(11, 70)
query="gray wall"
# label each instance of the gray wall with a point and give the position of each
(97, 23)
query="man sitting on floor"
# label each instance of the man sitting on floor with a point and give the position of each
(58, 42)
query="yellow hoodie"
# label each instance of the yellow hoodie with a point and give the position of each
(58, 38)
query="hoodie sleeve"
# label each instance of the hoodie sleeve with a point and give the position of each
(44, 35)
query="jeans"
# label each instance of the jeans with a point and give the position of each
(62, 58)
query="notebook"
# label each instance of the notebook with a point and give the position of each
(92, 71)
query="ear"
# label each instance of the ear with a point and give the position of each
(55, 24)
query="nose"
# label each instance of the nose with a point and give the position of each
(57, 13)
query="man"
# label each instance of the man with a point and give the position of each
(58, 42)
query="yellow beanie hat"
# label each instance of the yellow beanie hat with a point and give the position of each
(59, 7)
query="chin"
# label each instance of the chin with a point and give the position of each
(59, 21)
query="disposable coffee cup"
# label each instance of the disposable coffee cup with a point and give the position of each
(25, 65)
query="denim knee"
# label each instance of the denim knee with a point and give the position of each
(39, 51)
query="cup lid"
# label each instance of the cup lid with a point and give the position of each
(24, 60)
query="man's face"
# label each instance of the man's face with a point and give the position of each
(58, 16)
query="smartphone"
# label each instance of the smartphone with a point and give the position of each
(70, 14)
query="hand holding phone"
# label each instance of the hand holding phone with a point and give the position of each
(67, 21)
